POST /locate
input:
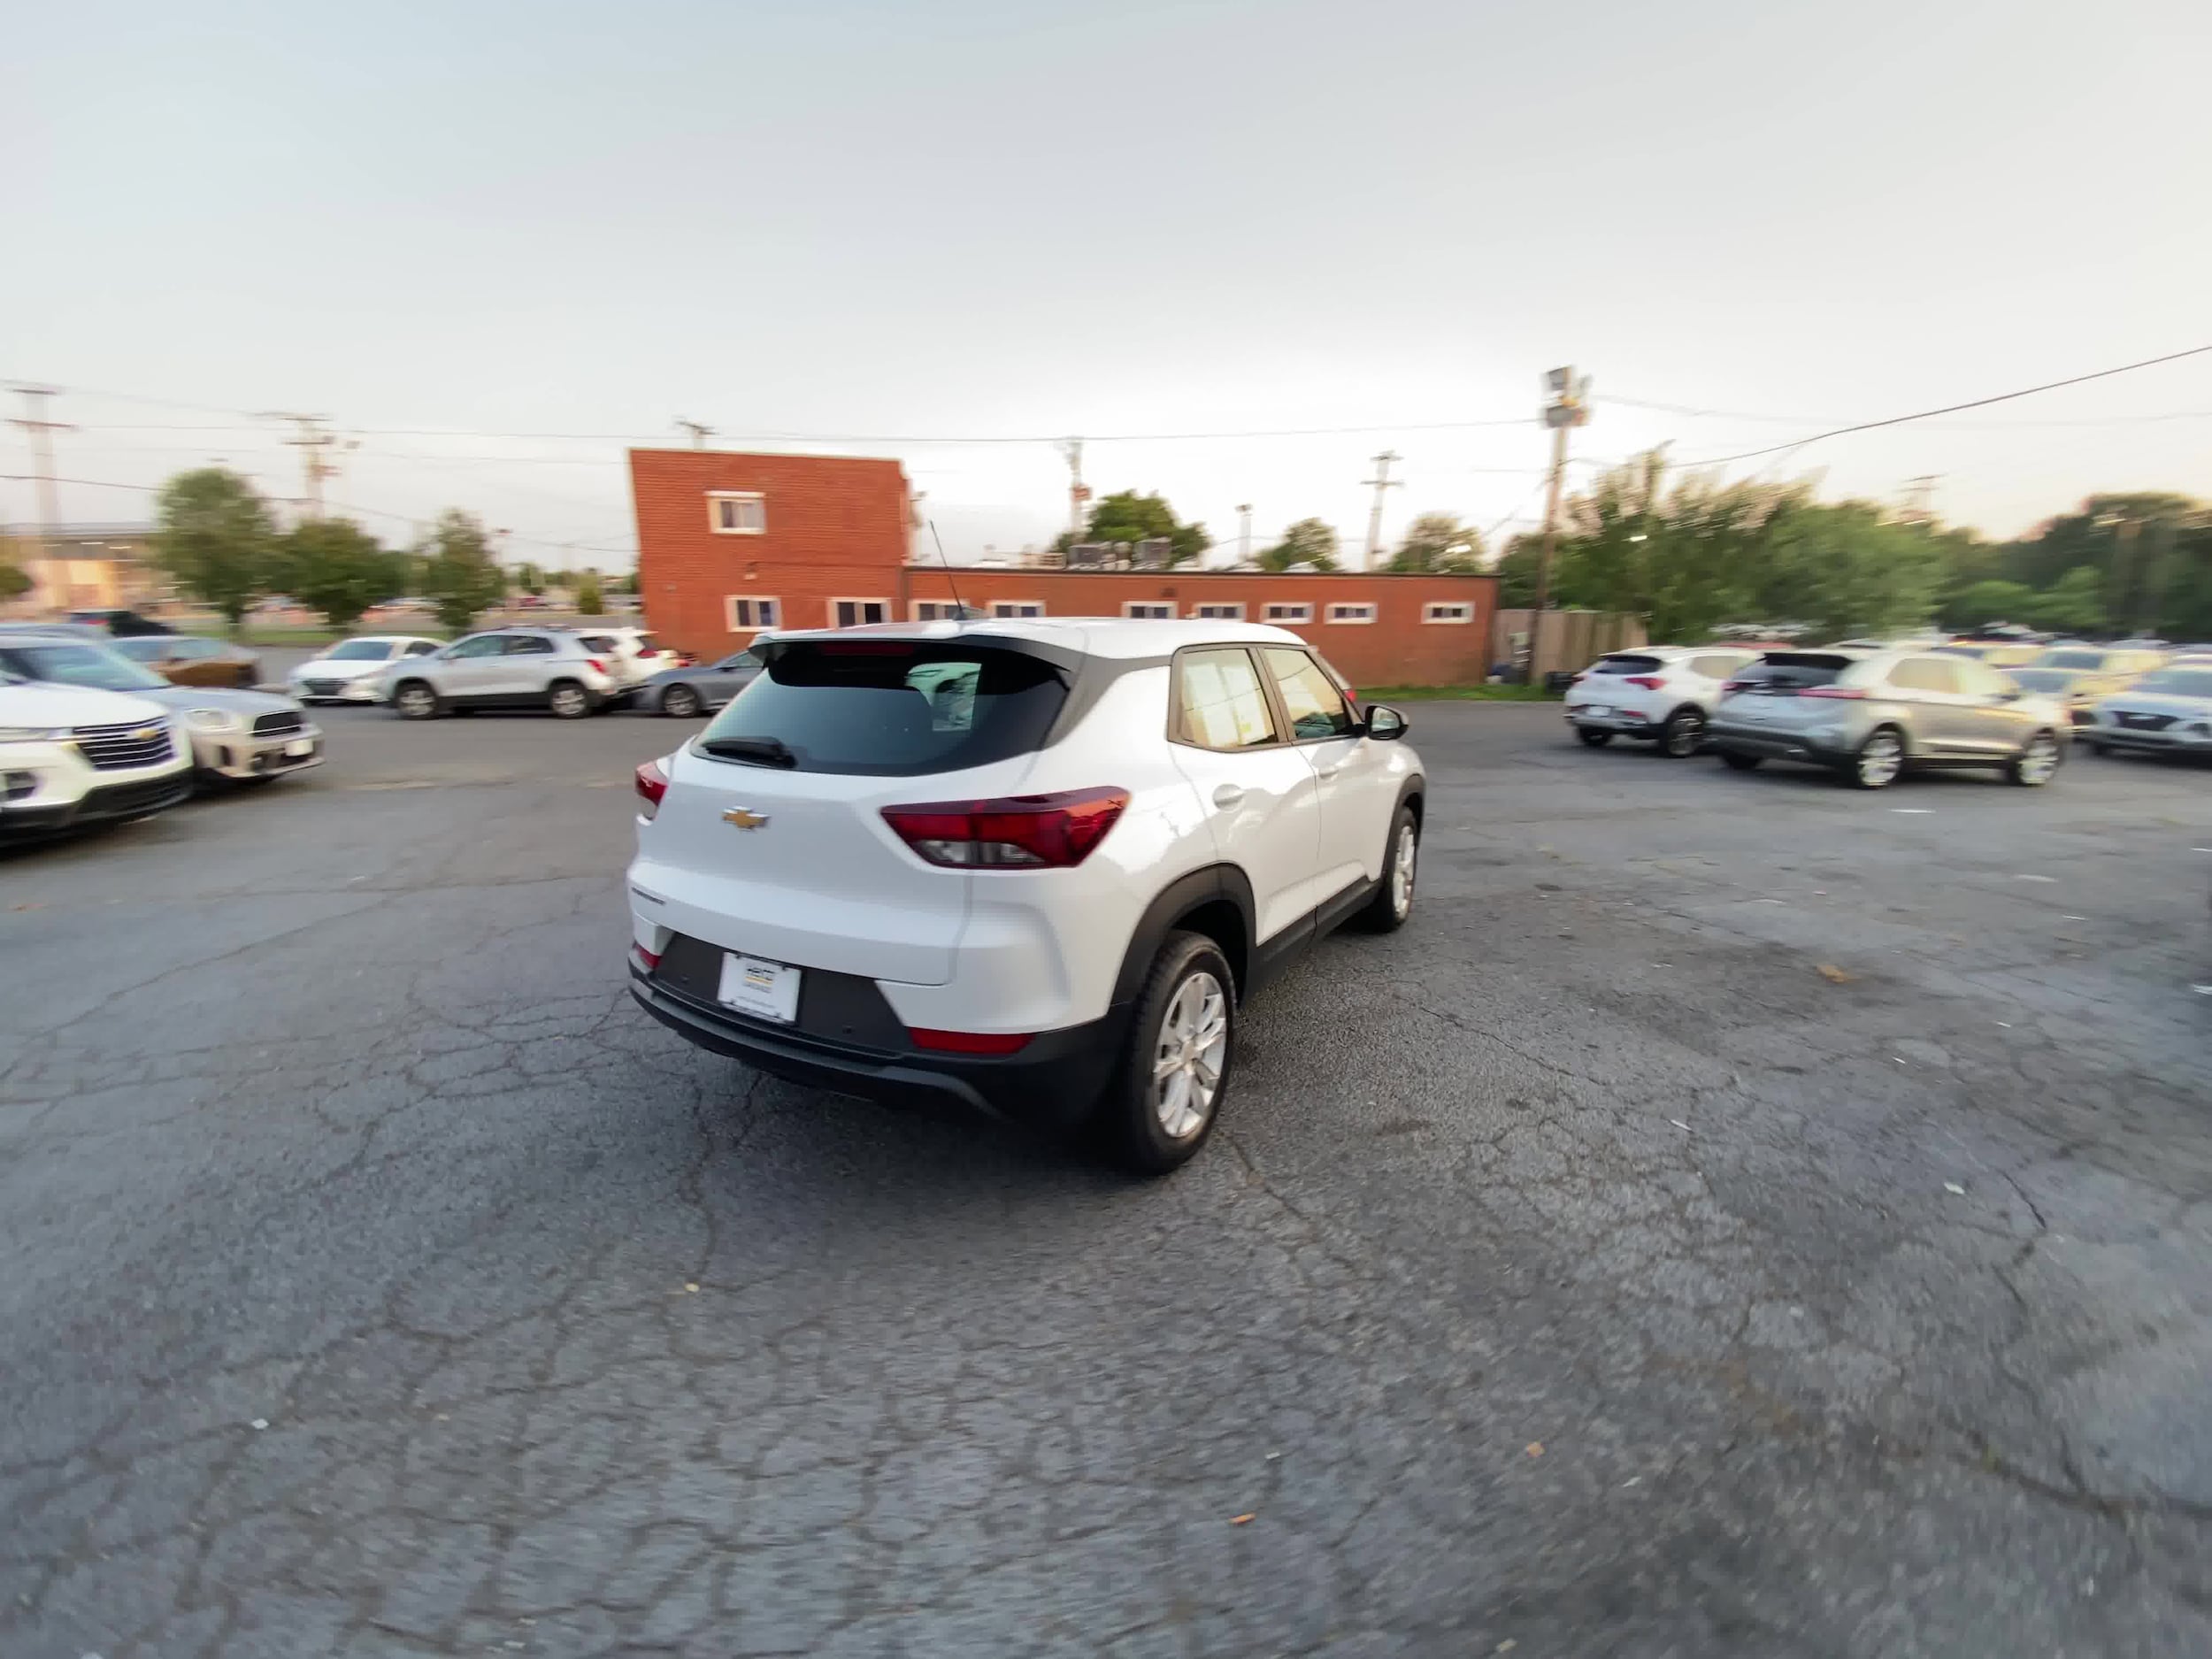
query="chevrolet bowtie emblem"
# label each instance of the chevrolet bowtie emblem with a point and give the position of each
(743, 819)
(146, 734)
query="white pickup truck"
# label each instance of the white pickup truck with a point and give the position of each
(72, 756)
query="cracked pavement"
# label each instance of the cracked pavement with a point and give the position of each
(1582, 1268)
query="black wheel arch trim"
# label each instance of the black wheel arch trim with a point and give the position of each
(1187, 893)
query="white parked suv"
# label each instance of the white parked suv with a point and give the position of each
(505, 668)
(1661, 694)
(1034, 867)
(632, 654)
(71, 756)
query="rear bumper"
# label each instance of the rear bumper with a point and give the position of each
(1628, 722)
(1776, 746)
(1057, 1079)
(242, 757)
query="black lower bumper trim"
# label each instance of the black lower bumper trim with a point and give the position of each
(99, 806)
(1057, 1079)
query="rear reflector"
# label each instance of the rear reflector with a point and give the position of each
(646, 959)
(969, 1042)
(652, 783)
(1023, 832)
(1842, 693)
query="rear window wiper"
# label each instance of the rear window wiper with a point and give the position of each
(761, 751)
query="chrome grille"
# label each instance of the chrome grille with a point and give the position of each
(275, 725)
(122, 748)
(325, 687)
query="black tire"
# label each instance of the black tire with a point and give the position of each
(1683, 734)
(1132, 1126)
(1737, 762)
(1390, 909)
(2104, 750)
(416, 700)
(2037, 764)
(568, 700)
(1594, 740)
(681, 702)
(1881, 761)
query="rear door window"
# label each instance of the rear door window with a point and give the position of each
(1219, 702)
(1717, 664)
(529, 645)
(887, 708)
(1925, 673)
(1784, 672)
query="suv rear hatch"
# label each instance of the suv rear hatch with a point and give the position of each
(1770, 693)
(770, 837)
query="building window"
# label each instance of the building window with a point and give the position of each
(1219, 612)
(853, 614)
(1018, 608)
(936, 611)
(1438, 612)
(1149, 610)
(748, 613)
(1351, 613)
(736, 512)
(1285, 613)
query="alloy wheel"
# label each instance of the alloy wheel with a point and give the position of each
(1188, 1055)
(682, 702)
(1683, 734)
(1881, 760)
(2040, 763)
(1402, 872)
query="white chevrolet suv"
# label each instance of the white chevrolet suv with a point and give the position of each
(1033, 866)
(72, 754)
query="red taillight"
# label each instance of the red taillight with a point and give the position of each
(1650, 682)
(968, 1041)
(652, 783)
(1842, 693)
(646, 959)
(1737, 684)
(598, 667)
(1023, 832)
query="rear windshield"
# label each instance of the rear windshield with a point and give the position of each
(1626, 665)
(1791, 670)
(887, 708)
(1975, 651)
(2040, 679)
(2090, 660)
(2179, 682)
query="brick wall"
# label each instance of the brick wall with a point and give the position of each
(836, 529)
(1397, 649)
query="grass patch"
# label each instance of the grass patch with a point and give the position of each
(1457, 694)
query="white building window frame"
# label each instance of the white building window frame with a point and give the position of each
(1287, 612)
(935, 610)
(743, 498)
(1219, 610)
(1017, 609)
(774, 618)
(882, 605)
(1448, 612)
(1351, 613)
(1148, 610)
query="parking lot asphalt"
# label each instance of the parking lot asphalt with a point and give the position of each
(1739, 1214)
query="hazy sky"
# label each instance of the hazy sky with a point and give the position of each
(978, 218)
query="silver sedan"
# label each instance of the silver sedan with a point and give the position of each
(2166, 712)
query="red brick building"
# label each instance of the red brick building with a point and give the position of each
(729, 544)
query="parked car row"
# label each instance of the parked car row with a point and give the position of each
(89, 735)
(1873, 710)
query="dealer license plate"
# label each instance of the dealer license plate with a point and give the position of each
(1596, 710)
(766, 990)
(300, 746)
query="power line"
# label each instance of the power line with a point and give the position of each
(1952, 409)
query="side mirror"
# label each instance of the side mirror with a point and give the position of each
(1385, 723)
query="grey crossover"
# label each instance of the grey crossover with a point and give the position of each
(1872, 715)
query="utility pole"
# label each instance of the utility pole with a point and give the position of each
(1244, 532)
(311, 442)
(33, 420)
(1920, 498)
(1381, 481)
(1078, 492)
(1567, 407)
(699, 433)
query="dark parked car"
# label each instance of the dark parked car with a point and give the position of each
(699, 689)
(121, 624)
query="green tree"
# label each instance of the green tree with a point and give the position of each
(459, 574)
(1994, 602)
(214, 535)
(2072, 604)
(1309, 542)
(1127, 516)
(338, 569)
(1439, 542)
(15, 581)
(588, 600)
(530, 579)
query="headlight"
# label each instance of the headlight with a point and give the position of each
(214, 720)
(28, 734)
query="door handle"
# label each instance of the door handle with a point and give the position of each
(1226, 795)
